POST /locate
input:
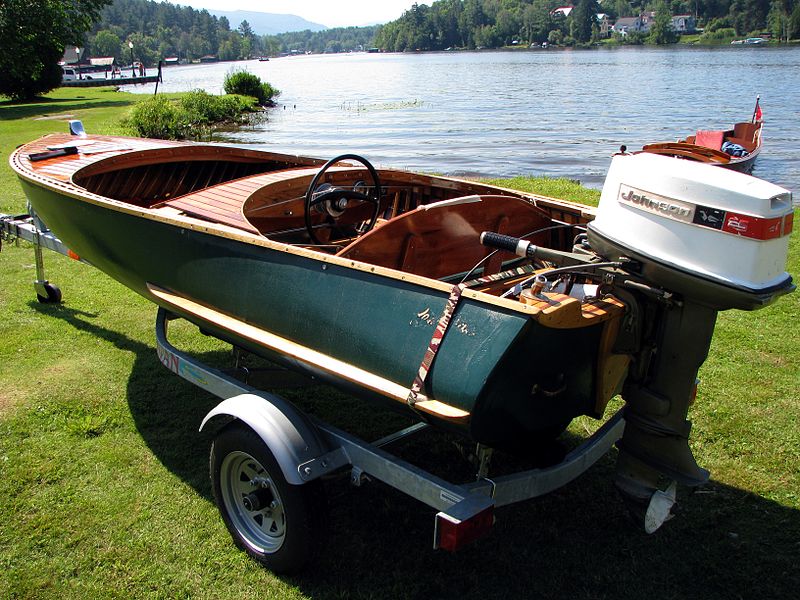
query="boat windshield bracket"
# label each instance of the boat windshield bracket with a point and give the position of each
(484, 455)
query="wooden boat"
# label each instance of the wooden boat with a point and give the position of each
(736, 148)
(376, 280)
(221, 236)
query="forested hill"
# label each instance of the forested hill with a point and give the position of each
(160, 29)
(494, 23)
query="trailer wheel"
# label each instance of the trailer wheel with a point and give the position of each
(278, 524)
(53, 294)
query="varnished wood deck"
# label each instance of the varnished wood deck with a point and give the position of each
(224, 203)
(98, 148)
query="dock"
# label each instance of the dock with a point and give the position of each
(89, 81)
(103, 81)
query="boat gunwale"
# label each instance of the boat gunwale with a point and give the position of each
(72, 190)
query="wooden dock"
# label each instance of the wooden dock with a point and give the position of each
(103, 81)
(90, 81)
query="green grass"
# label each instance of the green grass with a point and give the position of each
(103, 477)
(566, 189)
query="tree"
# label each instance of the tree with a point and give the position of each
(623, 8)
(794, 22)
(779, 21)
(584, 16)
(245, 30)
(34, 35)
(662, 31)
(507, 26)
(106, 43)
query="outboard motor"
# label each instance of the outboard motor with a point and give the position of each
(694, 239)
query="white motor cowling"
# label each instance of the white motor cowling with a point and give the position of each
(715, 235)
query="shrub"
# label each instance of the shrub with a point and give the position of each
(156, 117)
(194, 114)
(232, 106)
(718, 35)
(717, 24)
(248, 84)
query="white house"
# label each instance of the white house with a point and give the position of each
(627, 25)
(684, 23)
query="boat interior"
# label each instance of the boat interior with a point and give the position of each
(744, 134)
(420, 224)
(706, 145)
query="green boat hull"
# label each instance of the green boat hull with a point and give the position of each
(517, 379)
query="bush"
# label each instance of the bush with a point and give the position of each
(717, 24)
(247, 84)
(202, 107)
(718, 35)
(194, 114)
(156, 117)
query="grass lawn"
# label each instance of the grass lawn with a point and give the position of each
(104, 489)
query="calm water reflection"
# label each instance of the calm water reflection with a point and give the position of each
(557, 113)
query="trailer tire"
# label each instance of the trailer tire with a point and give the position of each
(278, 524)
(53, 294)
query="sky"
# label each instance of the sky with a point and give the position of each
(333, 13)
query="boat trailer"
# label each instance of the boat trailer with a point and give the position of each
(257, 481)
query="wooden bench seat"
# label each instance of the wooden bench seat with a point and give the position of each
(224, 203)
(442, 239)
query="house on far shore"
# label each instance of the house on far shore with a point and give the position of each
(684, 23)
(73, 56)
(76, 65)
(603, 24)
(102, 61)
(171, 60)
(626, 25)
(561, 10)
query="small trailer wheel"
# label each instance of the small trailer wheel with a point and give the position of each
(278, 524)
(53, 294)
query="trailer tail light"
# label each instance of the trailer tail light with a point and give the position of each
(452, 533)
(693, 394)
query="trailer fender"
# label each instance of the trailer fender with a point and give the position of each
(286, 431)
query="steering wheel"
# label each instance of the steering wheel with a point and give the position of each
(333, 200)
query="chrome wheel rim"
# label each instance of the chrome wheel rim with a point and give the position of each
(253, 503)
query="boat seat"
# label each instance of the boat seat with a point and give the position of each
(442, 239)
(709, 139)
(213, 208)
(745, 131)
(224, 203)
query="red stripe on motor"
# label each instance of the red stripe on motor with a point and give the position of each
(753, 227)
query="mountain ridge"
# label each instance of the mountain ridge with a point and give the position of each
(263, 23)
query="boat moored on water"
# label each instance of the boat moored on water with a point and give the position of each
(491, 313)
(736, 148)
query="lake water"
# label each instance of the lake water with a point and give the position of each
(539, 112)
